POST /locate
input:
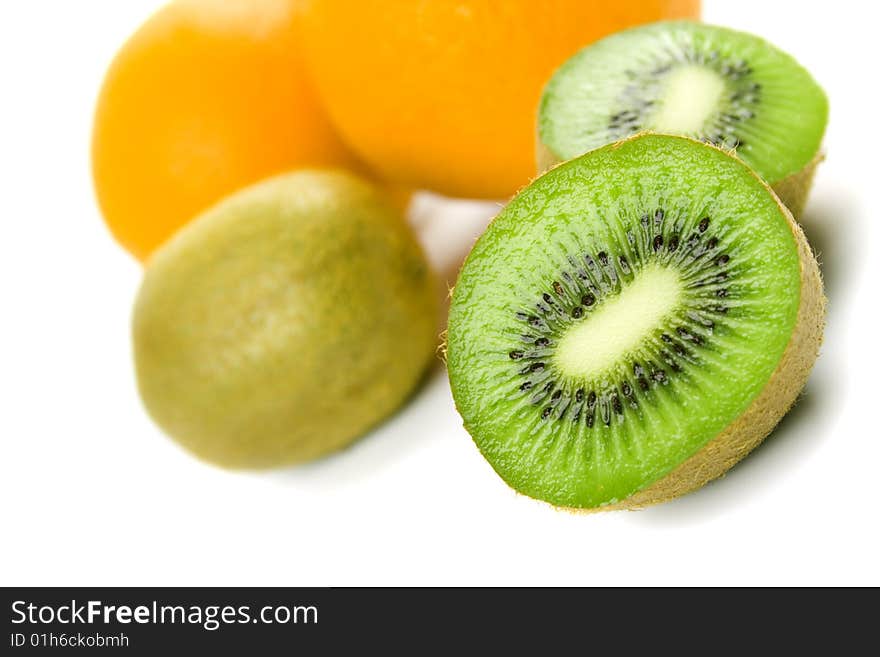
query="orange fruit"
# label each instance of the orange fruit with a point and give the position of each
(443, 95)
(206, 97)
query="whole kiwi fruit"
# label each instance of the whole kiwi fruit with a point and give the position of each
(284, 322)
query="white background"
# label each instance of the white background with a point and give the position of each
(92, 493)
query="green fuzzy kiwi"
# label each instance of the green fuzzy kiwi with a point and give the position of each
(284, 322)
(728, 88)
(632, 324)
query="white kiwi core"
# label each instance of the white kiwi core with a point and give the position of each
(691, 96)
(619, 324)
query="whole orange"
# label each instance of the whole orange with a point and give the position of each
(206, 97)
(442, 94)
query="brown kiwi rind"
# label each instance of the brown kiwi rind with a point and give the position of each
(793, 190)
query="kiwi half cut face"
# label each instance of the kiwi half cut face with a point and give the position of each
(632, 324)
(714, 84)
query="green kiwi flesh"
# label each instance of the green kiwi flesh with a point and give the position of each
(729, 88)
(284, 322)
(632, 324)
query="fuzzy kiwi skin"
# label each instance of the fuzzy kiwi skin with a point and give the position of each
(780, 393)
(284, 322)
(793, 190)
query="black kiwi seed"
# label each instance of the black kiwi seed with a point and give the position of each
(639, 373)
(658, 242)
(516, 355)
(588, 299)
(689, 335)
(542, 342)
(704, 224)
(669, 360)
(577, 312)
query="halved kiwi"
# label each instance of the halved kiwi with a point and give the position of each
(710, 83)
(632, 324)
